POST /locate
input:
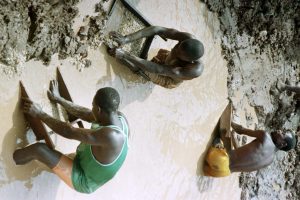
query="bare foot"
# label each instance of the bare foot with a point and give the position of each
(26, 154)
(19, 157)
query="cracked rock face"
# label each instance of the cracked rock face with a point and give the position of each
(261, 42)
(36, 29)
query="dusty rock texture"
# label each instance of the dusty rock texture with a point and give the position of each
(128, 24)
(97, 24)
(131, 24)
(37, 29)
(261, 42)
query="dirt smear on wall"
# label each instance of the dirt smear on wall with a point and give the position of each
(261, 42)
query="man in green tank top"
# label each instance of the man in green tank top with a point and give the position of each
(102, 150)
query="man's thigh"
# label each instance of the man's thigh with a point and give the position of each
(64, 170)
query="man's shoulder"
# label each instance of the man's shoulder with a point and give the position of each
(266, 138)
(263, 134)
(187, 36)
(106, 130)
(199, 64)
(196, 68)
(106, 134)
(121, 114)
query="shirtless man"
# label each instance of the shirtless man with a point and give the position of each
(102, 150)
(251, 157)
(169, 68)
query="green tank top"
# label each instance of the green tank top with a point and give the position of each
(88, 174)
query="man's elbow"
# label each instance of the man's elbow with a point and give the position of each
(200, 69)
(89, 118)
(68, 132)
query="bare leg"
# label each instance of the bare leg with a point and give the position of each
(130, 65)
(37, 151)
(59, 163)
(64, 170)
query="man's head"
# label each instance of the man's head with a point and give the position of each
(190, 50)
(284, 141)
(107, 100)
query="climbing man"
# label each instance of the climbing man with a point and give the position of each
(168, 68)
(253, 156)
(102, 150)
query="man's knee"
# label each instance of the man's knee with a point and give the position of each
(41, 147)
(46, 155)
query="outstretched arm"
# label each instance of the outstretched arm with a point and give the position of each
(62, 128)
(244, 131)
(78, 111)
(167, 33)
(187, 72)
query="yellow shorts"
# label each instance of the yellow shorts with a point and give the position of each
(216, 163)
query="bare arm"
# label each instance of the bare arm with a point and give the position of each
(65, 129)
(168, 33)
(78, 111)
(187, 72)
(244, 131)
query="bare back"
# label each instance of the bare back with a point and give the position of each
(116, 137)
(106, 154)
(253, 156)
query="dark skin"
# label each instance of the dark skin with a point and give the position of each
(257, 154)
(106, 142)
(177, 66)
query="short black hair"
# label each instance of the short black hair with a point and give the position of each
(193, 48)
(290, 140)
(108, 99)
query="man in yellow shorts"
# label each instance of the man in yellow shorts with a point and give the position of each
(253, 156)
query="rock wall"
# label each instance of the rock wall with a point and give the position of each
(261, 41)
